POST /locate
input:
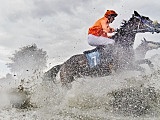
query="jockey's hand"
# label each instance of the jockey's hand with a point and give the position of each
(116, 30)
(104, 34)
(111, 30)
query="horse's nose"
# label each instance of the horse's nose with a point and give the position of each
(156, 26)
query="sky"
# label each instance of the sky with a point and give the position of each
(60, 27)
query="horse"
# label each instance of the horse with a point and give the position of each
(142, 49)
(145, 46)
(140, 52)
(122, 52)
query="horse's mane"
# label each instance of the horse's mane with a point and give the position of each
(123, 35)
(124, 23)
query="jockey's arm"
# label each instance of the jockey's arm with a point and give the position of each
(106, 28)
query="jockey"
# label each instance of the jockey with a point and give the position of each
(98, 33)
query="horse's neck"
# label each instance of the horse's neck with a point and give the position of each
(139, 55)
(126, 35)
(125, 39)
(141, 51)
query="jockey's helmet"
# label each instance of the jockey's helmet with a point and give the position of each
(110, 13)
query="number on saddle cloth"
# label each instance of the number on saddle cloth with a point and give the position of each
(93, 57)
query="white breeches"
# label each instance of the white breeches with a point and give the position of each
(99, 40)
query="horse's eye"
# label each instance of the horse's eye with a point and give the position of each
(137, 20)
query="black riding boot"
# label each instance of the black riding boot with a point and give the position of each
(105, 57)
(106, 54)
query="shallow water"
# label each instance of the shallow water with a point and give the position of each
(88, 98)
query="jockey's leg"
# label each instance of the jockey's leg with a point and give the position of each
(102, 41)
(99, 40)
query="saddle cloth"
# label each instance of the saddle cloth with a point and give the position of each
(93, 57)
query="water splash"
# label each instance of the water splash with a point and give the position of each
(88, 99)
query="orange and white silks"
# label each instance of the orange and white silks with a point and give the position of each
(101, 28)
(97, 34)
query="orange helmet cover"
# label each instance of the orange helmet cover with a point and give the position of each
(110, 12)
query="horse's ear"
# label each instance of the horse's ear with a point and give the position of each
(137, 14)
(144, 39)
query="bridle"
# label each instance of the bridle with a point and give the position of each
(147, 24)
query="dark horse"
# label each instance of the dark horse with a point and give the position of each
(140, 52)
(122, 53)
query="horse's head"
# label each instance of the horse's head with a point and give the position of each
(144, 24)
(125, 35)
(149, 45)
(144, 47)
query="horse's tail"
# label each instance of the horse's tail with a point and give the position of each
(51, 74)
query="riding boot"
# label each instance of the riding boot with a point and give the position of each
(104, 64)
(109, 53)
(102, 55)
